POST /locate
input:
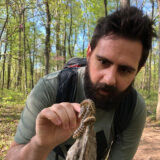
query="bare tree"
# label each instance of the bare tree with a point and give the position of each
(47, 40)
(70, 31)
(57, 29)
(105, 7)
(19, 76)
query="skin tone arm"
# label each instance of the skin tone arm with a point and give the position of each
(54, 125)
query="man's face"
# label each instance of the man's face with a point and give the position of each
(112, 67)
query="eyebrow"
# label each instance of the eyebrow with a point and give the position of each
(110, 62)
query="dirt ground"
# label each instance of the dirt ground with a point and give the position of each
(149, 148)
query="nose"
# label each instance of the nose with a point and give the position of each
(110, 76)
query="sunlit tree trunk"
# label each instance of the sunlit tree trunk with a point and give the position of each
(158, 105)
(19, 76)
(4, 61)
(70, 32)
(150, 58)
(125, 3)
(5, 50)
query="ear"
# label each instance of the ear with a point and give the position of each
(88, 51)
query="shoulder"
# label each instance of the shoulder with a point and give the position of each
(140, 111)
(140, 104)
(48, 81)
(45, 90)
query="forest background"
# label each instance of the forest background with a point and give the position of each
(37, 37)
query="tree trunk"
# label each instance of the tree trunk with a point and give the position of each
(18, 83)
(125, 3)
(58, 46)
(150, 58)
(142, 4)
(24, 51)
(70, 32)
(105, 7)
(64, 44)
(158, 105)
(47, 40)
(6, 21)
(4, 61)
(84, 33)
(9, 66)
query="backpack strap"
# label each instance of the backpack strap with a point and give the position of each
(67, 85)
(124, 113)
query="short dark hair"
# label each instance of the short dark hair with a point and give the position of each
(127, 22)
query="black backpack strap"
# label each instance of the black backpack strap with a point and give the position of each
(67, 85)
(124, 113)
(66, 92)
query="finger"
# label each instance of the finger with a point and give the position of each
(50, 115)
(69, 107)
(76, 107)
(62, 113)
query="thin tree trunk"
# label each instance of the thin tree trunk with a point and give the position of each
(20, 52)
(105, 7)
(70, 32)
(84, 33)
(74, 43)
(154, 72)
(9, 66)
(64, 44)
(47, 40)
(117, 4)
(158, 105)
(24, 52)
(125, 3)
(150, 58)
(4, 60)
(58, 46)
(142, 4)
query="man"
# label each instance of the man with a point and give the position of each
(118, 49)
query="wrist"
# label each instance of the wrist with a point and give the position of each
(40, 148)
(39, 145)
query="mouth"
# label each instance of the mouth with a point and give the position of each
(103, 92)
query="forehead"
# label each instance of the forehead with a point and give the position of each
(119, 50)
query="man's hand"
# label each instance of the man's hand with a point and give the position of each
(56, 124)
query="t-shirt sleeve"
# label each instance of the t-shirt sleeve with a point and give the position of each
(126, 145)
(42, 96)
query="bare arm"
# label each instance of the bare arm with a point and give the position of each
(54, 125)
(30, 151)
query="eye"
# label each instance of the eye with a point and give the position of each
(125, 70)
(103, 61)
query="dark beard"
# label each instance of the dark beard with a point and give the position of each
(108, 102)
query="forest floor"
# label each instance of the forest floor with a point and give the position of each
(149, 148)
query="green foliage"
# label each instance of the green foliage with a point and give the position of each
(150, 99)
(11, 97)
